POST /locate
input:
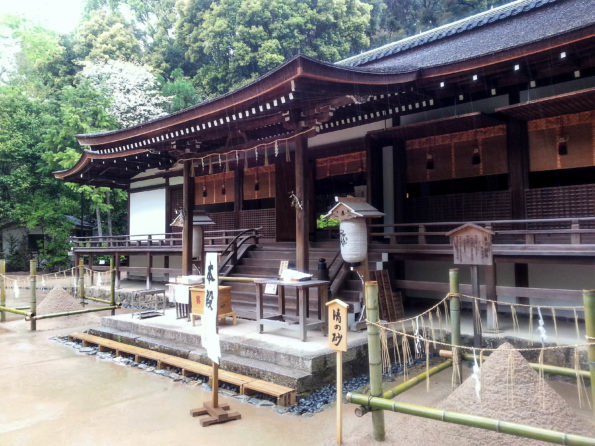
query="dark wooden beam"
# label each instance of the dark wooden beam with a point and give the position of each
(188, 207)
(400, 179)
(517, 147)
(301, 215)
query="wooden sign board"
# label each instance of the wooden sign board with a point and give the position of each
(337, 325)
(210, 338)
(472, 245)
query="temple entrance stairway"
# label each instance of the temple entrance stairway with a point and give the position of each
(263, 261)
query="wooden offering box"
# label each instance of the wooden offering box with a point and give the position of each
(197, 302)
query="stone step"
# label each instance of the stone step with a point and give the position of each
(284, 362)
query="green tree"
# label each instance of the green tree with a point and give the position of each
(230, 42)
(106, 35)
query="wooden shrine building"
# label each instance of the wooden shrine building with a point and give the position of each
(488, 120)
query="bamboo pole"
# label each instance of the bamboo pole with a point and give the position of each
(506, 427)
(15, 311)
(589, 302)
(547, 368)
(455, 317)
(2, 289)
(389, 394)
(69, 313)
(112, 284)
(82, 281)
(103, 301)
(33, 273)
(374, 357)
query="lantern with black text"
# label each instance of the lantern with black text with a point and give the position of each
(353, 233)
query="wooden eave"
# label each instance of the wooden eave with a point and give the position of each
(562, 104)
(277, 83)
(451, 124)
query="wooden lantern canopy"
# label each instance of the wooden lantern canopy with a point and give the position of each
(472, 245)
(199, 219)
(352, 213)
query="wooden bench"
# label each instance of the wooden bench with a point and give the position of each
(285, 395)
(247, 385)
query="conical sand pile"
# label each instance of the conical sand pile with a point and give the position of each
(511, 391)
(58, 300)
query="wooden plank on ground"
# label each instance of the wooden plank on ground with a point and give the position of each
(285, 395)
(248, 385)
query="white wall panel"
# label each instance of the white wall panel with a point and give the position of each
(147, 212)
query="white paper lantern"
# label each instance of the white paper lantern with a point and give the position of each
(354, 240)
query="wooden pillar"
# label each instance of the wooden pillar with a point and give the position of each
(187, 208)
(374, 192)
(117, 268)
(517, 146)
(490, 281)
(166, 265)
(521, 280)
(400, 179)
(238, 193)
(301, 215)
(149, 273)
(91, 269)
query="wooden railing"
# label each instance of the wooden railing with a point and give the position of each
(236, 248)
(213, 240)
(573, 231)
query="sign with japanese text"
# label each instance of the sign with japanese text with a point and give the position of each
(337, 325)
(210, 338)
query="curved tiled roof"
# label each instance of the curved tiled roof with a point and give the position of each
(503, 13)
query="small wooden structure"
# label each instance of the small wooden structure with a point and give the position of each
(197, 303)
(472, 245)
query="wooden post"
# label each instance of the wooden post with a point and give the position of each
(2, 289)
(301, 215)
(112, 282)
(374, 357)
(589, 302)
(339, 397)
(91, 269)
(149, 281)
(490, 281)
(517, 151)
(337, 340)
(215, 385)
(82, 281)
(187, 208)
(32, 276)
(117, 268)
(455, 317)
(476, 309)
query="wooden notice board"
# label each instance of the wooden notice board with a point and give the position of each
(337, 325)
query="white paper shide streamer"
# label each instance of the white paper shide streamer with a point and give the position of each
(476, 377)
(541, 328)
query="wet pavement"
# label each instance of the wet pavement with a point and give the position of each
(55, 396)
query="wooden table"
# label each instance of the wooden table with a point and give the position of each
(301, 321)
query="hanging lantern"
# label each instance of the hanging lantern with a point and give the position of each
(476, 157)
(429, 161)
(562, 145)
(352, 213)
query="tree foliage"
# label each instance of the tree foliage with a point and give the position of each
(130, 61)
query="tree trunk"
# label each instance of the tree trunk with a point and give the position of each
(98, 217)
(109, 213)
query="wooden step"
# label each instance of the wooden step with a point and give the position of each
(284, 395)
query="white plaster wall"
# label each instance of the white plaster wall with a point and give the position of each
(145, 183)
(552, 90)
(487, 105)
(147, 212)
(175, 181)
